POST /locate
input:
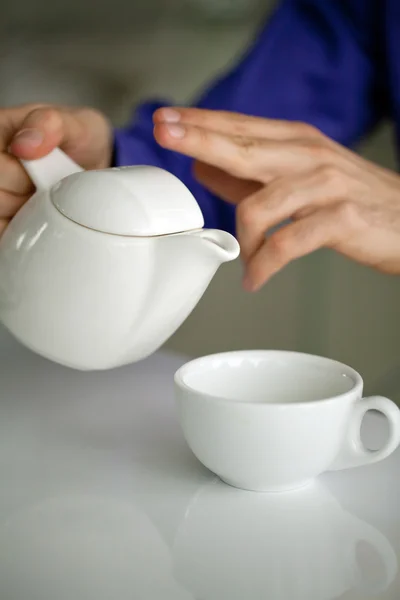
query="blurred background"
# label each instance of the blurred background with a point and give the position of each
(112, 55)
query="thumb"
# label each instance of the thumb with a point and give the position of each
(42, 130)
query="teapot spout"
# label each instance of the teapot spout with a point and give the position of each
(49, 170)
(223, 244)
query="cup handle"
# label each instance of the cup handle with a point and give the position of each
(353, 452)
(381, 545)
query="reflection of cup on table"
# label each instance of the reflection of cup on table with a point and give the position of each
(299, 546)
(84, 548)
(274, 421)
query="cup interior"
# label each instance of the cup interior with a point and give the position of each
(269, 377)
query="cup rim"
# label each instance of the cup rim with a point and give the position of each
(188, 366)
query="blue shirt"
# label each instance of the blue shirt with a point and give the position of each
(332, 63)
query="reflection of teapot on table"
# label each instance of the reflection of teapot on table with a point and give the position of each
(99, 268)
(84, 548)
(299, 546)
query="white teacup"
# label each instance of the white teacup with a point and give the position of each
(273, 421)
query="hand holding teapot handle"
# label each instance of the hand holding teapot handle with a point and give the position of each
(31, 132)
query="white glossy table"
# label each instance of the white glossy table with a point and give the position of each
(102, 500)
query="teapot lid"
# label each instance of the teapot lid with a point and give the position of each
(131, 201)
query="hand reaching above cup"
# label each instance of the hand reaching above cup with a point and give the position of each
(32, 131)
(276, 171)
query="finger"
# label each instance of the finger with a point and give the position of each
(3, 225)
(236, 123)
(43, 129)
(244, 157)
(323, 228)
(10, 204)
(223, 185)
(287, 198)
(10, 122)
(13, 177)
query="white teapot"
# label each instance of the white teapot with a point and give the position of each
(99, 268)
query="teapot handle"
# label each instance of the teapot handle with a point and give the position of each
(49, 170)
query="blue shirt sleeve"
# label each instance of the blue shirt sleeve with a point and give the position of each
(313, 61)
